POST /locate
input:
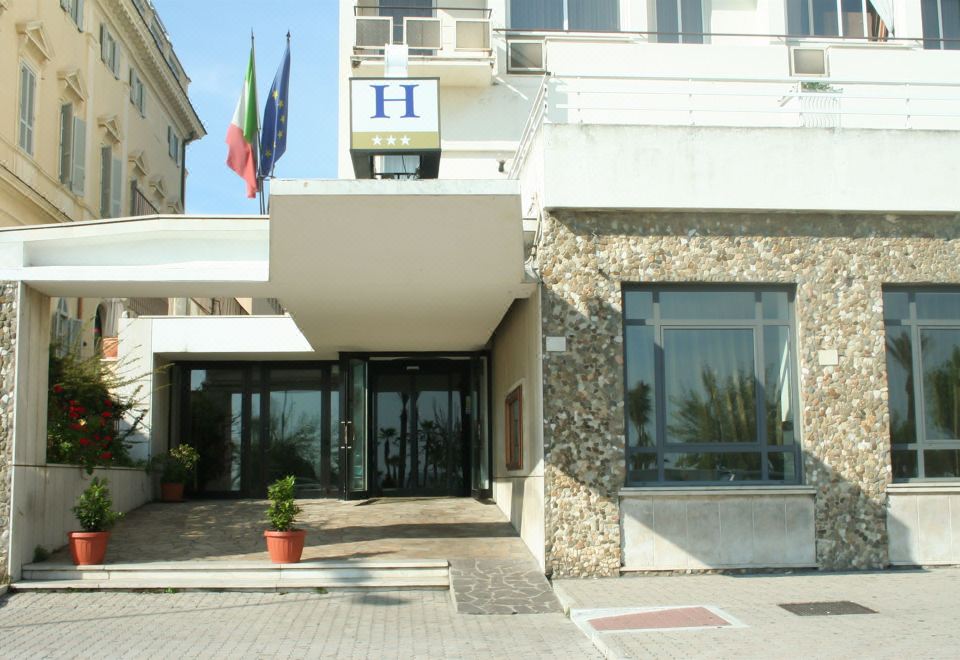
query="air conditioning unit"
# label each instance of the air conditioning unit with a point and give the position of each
(374, 31)
(809, 62)
(526, 56)
(473, 34)
(422, 33)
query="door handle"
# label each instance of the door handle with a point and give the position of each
(345, 435)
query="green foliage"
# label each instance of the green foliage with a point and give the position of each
(283, 509)
(40, 554)
(177, 465)
(83, 413)
(816, 86)
(94, 508)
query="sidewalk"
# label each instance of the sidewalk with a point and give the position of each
(916, 615)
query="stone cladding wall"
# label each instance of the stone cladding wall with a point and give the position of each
(837, 264)
(8, 339)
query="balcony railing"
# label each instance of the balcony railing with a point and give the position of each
(427, 31)
(139, 204)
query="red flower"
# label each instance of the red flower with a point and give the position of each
(108, 403)
(58, 388)
(85, 442)
(74, 414)
(106, 456)
(76, 426)
(106, 413)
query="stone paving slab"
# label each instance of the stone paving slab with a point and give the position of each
(501, 587)
(915, 614)
(387, 625)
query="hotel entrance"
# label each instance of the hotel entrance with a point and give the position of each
(367, 426)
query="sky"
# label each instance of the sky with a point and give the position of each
(212, 40)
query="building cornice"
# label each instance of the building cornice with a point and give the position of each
(139, 37)
(32, 35)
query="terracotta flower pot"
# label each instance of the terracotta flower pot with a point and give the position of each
(88, 548)
(171, 492)
(285, 547)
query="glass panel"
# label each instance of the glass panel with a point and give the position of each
(941, 463)
(395, 442)
(638, 305)
(296, 428)
(702, 305)
(332, 451)
(642, 467)
(931, 23)
(215, 419)
(905, 464)
(597, 15)
(400, 8)
(712, 467)
(896, 305)
(710, 384)
(951, 23)
(256, 483)
(776, 305)
(536, 15)
(852, 18)
(691, 21)
(526, 55)
(825, 18)
(668, 22)
(798, 17)
(781, 467)
(940, 358)
(903, 427)
(938, 305)
(459, 447)
(478, 423)
(778, 371)
(641, 421)
(358, 424)
(433, 429)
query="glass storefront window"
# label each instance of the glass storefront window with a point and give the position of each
(710, 390)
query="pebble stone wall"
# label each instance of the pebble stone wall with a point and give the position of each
(837, 264)
(8, 337)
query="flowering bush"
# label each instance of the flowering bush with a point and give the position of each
(83, 414)
(94, 507)
(177, 465)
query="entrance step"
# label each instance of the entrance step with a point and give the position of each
(238, 576)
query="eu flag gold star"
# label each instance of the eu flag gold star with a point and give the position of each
(269, 153)
(279, 134)
(276, 95)
(283, 118)
(279, 104)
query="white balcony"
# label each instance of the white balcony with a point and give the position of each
(451, 43)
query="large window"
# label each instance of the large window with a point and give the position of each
(74, 9)
(923, 380)
(73, 147)
(710, 385)
(941, 24)
(578, 15)
(840, 18)
(680, 21)
(111, 183)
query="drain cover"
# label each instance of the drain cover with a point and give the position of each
(828, 608)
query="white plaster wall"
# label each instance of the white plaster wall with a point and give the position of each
(516, 361)
(703, 528)
(923, 524)
(658, 167)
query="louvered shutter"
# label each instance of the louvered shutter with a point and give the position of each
(78, 175)
(116, 188)
(66, 142)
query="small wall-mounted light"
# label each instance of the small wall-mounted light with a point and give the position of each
(500, 164)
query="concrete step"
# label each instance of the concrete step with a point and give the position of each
(238, 575)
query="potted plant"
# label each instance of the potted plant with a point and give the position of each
(175, 469)
(284, 543)
(94, 511)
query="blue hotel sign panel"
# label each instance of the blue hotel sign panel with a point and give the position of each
(394, 114)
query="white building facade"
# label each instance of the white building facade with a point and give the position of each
(674, 282)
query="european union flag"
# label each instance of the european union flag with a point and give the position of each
(273, 132)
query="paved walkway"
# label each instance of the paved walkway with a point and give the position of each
(491, 586)
(916, 614)
(388, 528)
(403, 624)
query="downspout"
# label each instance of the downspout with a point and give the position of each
(183, 171)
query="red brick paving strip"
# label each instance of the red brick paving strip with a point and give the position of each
(681, 617)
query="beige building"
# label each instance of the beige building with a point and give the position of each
(98, 129)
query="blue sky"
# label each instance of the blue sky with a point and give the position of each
(212, 40)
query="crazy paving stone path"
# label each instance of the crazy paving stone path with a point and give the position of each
(491, 586)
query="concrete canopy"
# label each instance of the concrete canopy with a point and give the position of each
(359, 265)
(397, 265)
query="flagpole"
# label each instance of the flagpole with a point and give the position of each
(253, 51)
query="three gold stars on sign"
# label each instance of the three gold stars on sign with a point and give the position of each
(391, 140)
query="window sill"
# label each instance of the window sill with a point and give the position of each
(773, 490)
(924, 488)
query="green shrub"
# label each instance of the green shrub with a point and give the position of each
(176, 466)
(94, 507)
(283, 510)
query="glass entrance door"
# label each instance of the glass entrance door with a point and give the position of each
(353, 430)
(420, 427)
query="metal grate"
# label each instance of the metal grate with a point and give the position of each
(829, 608)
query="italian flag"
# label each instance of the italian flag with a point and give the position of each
(242, 135)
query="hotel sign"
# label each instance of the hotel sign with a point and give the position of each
(394, 114)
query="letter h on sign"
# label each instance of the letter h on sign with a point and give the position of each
(407, 100)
